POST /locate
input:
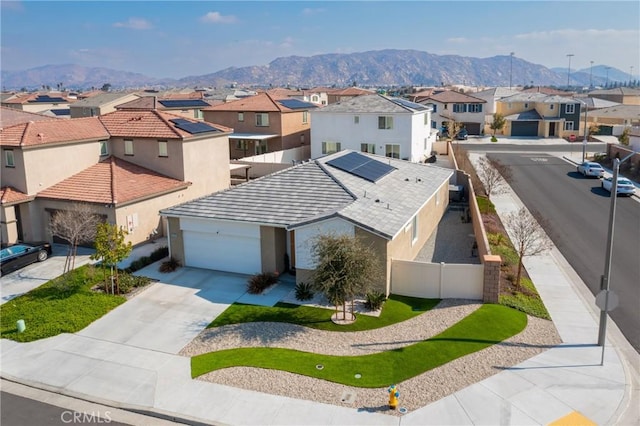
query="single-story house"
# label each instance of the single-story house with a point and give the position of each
(269, 224)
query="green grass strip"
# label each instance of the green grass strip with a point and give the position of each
(488, 325)
(395, 309)
(55, 308)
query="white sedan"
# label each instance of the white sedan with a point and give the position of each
(589, 168)
(625, 186)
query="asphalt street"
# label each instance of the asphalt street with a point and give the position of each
(575, 212)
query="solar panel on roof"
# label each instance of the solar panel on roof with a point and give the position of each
(192, 127)
(409, 104)
(183, 103)
(362, 166)
(47, 98)
(296, 104)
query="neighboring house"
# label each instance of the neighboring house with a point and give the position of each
(621, 95)
(189, 107)
(377, 124)
(634, 139)
(317, 95)
(262, 124)
(548, 91)
(36, 102)
(491, 97)
(127, 164)
(341, 95)
(450, 105)
(12, 116)
(612, 120)
(100, 104)
(540, 115)
(270, 224)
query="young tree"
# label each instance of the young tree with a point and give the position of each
(494, 175)
(527, 235)
(111, 249)
(498, 123)
(345, 268)
(77, 226)
(624, 137)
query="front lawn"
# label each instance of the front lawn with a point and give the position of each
(395, 309)
(486, 326)
(57, 307)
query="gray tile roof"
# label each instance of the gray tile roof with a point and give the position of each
(99, 100)
(369, 103)
(530, 115)
(315, 191)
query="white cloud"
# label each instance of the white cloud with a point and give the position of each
(134, 24)
(218, 18)
(287, 43)
(307, 11)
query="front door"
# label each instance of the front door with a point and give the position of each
(552, 128)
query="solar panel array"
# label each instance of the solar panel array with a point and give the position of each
(192, 127)
(183, 103)
(362, 166)
(296, 104)
(409, 104)
(47, 98)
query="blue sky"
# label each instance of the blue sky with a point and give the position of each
(177, 39)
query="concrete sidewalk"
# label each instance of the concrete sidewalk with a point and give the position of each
(567, 380)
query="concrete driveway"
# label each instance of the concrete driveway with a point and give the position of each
(171, 312)
(23, 280)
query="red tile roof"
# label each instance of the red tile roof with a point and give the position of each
(262, 102)
(112, 181)
(190, 95)
(451, 96)
(350, 91)
(43, 132)
(10, 195)
(144, 102)
(13, 116)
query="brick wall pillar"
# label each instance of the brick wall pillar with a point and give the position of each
(491, 289)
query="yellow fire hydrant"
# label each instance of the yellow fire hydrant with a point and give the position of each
(393, 397)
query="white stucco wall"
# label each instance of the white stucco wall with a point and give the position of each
(305, 235)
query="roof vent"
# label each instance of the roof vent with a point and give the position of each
(406, 179)
(377, 200)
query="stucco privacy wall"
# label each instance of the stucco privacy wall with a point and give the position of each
(437, 280)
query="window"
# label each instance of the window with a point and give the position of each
(128, 147)
(568, 125)
(414, 230)
(305, 116)
(104, 148)
(261, 147)
(526, 105)
(9, 161)
(551, 106)
(435, 107)
(368, 147)
(385, 122)
(314, 99)
(356, 119)
(162, 149)
(330, 147)
(198, 114)
(570, 108)
(475, 107)
(446, 106)
(262, 119)
(392, 150)
(459, 107)
(434, 125)
(242, 145)
(241, 116)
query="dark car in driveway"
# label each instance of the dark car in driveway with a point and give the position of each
(19, 255)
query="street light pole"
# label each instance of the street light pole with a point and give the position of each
(569, 55)
(586, 132)
(606, 278)
(607, 83)
(591, 75)
(510, 67)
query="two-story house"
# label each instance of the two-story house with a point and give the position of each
(540, 115)
(491, 97)
(459, 107)
(263, 124)
(55, 103)
(376, 124)
(127, 165)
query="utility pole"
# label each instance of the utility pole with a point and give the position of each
(569, 55)
(607, 83)
(591, 75)
(510, 67)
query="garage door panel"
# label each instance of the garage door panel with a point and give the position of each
(524, 128)
(222, 252)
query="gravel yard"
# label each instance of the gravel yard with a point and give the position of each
(414, 393)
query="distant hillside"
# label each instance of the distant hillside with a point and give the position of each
(374, 68)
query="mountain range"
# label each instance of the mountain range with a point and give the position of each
(374, 68)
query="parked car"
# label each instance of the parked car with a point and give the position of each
(462, 135)
(589, 168)
(625, 186)
(22, 254)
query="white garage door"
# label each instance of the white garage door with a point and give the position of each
(229, 253)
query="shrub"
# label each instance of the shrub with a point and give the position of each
(159, 253)
(304, 291)
(374, 300)
(260, 282)
(494, 139)
(169, 265)
(128, 282)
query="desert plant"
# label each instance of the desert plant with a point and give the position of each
(304, 291)
(170, 265)
(374, 300)
(494, 139)
(260, 282)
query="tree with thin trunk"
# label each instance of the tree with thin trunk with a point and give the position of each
(76, 226)
(494, 175)
(111, 248)
(345, 269)
(527, 236)
(498, 123)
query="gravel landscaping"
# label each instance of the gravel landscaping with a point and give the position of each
(414, 393)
